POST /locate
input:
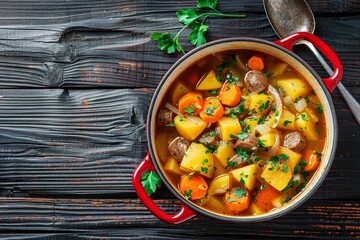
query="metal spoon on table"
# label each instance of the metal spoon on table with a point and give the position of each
(290, 16)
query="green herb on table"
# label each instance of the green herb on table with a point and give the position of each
(150, 181)
(169, 42)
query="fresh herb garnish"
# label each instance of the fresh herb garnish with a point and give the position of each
(169, 42)
(268, 74)
(303, 117)
(188, 193)
(261, 143)
(226, 63)
(210, 110)
(242, 154)
(189, 109)
(150, 181)
(286, 122)
(319, 108)
(283, 157)
(239, 192)
(214, 92)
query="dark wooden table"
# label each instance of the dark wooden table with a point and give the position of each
(76, 80)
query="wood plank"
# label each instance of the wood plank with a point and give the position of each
(46, 46)
(66, 142)
(313, 219)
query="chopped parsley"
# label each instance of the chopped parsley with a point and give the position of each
(172, 124)
(300, 166)
(264, 106)
(261, 143)
(204, 170)
(286, 122)
(285, 169)
(231, 79)
(319, 108)
(219, 78)
(268, 74)
(318, 154)
(204, 161)
(262, 120)
(188, 193)
(240, 192)
(283, 157)
(226, 63)
(214, 91)
(303, 117)
(242, 135)
(242, 154)
(210, 110)
(313, 92)
(189, 109)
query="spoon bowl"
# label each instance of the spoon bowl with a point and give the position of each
(289, 16)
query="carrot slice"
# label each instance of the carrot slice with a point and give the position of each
(230, 94)
(237, 199)
(256, 63)
(265, 196)
(191, 103)
(193, 186)
(212, 110)
(312, 161)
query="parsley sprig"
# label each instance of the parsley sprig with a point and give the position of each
(150, 181)
(169, 42)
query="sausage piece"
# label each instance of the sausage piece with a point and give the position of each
(210, 138)
(256, 81)
(247, 143)
(165, 117)
(295, 141)
(178, 147)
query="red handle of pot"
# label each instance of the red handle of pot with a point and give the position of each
(146, 165)
(330, 82)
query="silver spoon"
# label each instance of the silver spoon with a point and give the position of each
(290, 16)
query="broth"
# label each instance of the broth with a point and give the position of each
(240, 133)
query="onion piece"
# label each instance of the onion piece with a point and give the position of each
(262, 129)
(239, 62)
(173, 109)
(194, 119)
(279, 105)
(300, 105)
(274, 149)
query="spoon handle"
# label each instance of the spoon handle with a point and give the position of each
(350, 100)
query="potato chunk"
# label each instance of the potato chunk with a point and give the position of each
(287, 120)
(224, 152)
(277, 175)
(209, 81)
(303, 123)
(187, 128)
(245, 175)
(199, 160)
(267, 140)
(294, 87)
(173, 166)
(177, 91)
(260, 103)
(228, 127)
(293, 157)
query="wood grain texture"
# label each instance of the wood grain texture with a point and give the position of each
(107, 44)
(76, 80)
(313, 219)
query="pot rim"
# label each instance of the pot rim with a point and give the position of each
(245, 219)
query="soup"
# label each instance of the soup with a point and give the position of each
(240, 133)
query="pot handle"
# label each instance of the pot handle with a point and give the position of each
(330, 82)
(146, 165)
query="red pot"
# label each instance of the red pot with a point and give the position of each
(281, 49)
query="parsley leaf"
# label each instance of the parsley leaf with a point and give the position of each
(150, 181)
(197, 35)
(169, 42)
(240, 192)
(261, 143)
(206, 4)
(187, 16)
(189, 109)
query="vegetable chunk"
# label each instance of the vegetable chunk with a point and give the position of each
(209, 82)
(189, 129)
(193, 186)
(224, 152)
(237, 199)
(199, 160)
(277, 175)
(228, 127)
(219, 185)
(245, 176)
(294, 87)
